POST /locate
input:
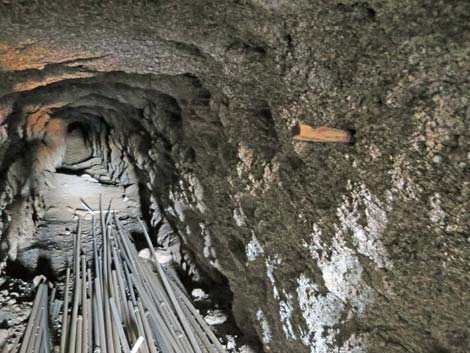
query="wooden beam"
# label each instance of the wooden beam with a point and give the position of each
(303, 132)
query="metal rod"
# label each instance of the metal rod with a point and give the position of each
(78, 347)
(73, 322)
(119, 299)
(96, 327)
(99, 308)
(45, 323)
(107, 314)
(118, 325)
(138, 323)
(108, 213)
(175, 303)
(31, 322)
(121, 284)
(76, 260)
(148, 333)
(36, 342)
(84, 306)
(91, 314)
(52, 299)
(63, 337)
(77, 293)
(137, 344)
(198, 318)
(87, 206)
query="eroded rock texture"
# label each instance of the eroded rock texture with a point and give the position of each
(326, 248)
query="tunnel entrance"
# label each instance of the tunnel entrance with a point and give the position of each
(77, 144)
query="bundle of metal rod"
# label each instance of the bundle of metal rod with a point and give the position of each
(36, 337)
(121, 303)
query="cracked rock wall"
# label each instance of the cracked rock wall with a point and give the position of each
(327, 248)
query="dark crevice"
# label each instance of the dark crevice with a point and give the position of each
(68, 171)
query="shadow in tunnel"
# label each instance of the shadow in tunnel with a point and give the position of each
(17, 269)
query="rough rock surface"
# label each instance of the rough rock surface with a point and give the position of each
(52, 241)
(326, 248)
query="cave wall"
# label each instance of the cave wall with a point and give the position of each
(327, 248)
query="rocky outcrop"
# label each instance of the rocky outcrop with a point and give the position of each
(326, 248)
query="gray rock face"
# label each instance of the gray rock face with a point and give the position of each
(189, 104)
(53, 236)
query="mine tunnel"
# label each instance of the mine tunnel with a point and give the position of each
(93, 144)
(247, 176)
